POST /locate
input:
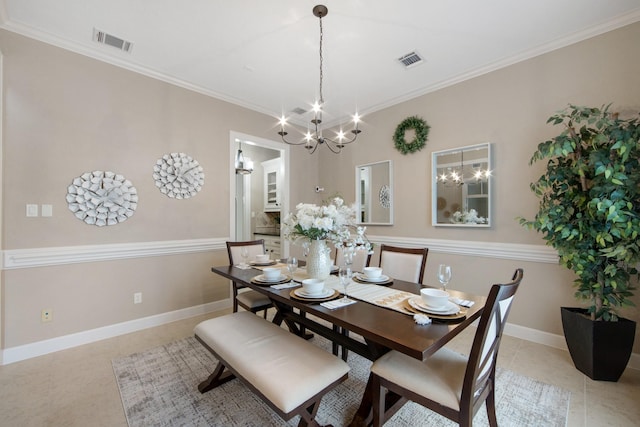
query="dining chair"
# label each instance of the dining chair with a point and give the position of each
(448, 383)
(250, 300)
(361, 258)
(403, 263)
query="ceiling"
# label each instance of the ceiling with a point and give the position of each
(264, 54)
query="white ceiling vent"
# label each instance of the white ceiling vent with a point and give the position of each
(411, 59)
(110, 40)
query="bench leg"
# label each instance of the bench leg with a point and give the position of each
(218, 377)
(308, 416)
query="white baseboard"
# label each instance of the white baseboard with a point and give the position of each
(552, 340)
(28, 351)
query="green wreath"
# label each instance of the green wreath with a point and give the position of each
(421, 129)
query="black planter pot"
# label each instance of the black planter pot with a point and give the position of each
(600, 350)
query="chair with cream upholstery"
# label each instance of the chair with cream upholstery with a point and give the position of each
(403, 263)
(250, 300)
(448, 383)
(361, 258)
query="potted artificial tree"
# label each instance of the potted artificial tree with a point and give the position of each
(589, 211)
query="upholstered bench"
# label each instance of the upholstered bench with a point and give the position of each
(290, 374)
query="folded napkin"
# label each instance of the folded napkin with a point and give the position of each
(462, 302)
(243, 266)
(421, 319)
(285, 285)
(336, 303)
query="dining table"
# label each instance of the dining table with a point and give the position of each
(368, 328)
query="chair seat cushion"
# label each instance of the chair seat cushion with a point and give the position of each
(285, 368)
(253, 299)
(440, 378)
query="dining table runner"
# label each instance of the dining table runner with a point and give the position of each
(374, 294)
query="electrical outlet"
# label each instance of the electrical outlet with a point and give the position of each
(47, 315)
(137, 298)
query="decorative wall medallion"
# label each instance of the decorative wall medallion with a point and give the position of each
(102, 198)
(178, 175)
(385, 196)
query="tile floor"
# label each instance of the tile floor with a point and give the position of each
(76, 387)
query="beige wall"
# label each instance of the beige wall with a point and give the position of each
(65, 114)
(508, 108)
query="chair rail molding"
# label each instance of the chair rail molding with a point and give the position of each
(43, 257)
(515, 251)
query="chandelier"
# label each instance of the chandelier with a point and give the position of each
(314, 137)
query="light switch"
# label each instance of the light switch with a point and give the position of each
(32, 210)
(46, 210)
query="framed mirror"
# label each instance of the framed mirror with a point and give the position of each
(374, 193)
(461, 186)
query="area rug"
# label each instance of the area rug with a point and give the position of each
(158, 387)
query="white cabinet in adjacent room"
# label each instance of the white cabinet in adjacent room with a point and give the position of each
(272, 184)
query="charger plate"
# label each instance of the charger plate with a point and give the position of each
(300, 298)
(461, 314)
(357, 279)
(257, 280)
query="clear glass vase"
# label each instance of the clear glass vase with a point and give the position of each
(319, 260)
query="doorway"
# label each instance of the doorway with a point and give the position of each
(247, 191)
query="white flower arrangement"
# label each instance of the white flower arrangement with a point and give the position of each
(468, 217)
(333, 221)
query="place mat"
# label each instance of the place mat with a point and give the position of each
(298, 297)
(257, 281)
(274, 264)
(381, 283)
(263, 264)
(452, 317)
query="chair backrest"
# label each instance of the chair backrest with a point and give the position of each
(361, 258)
(403, 263)
(484, 350)
(256, 247)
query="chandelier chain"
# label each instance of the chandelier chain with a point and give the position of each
(321, 60)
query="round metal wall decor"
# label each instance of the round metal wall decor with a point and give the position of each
(385, 196)
(178, 175)
(102, 198)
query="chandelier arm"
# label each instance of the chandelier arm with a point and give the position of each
(344, 141)
(282, 135)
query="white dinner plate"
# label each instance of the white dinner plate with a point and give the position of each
(364, 278)
(262, 264)
(418, 304)
(325, 293)
(262, 278)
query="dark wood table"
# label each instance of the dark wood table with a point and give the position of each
(382, 329)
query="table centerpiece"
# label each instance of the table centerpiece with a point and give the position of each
(313, 226)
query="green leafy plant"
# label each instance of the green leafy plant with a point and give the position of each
(589, 208)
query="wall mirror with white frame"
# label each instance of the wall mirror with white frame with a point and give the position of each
(374, 193)
(461, 186)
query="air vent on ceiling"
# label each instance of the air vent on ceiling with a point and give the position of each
(411, 59)
(299, 111)
(110, 40)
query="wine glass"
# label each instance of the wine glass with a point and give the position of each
(244, 253)
(292, 266)
(444, 275)
(345, 278)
